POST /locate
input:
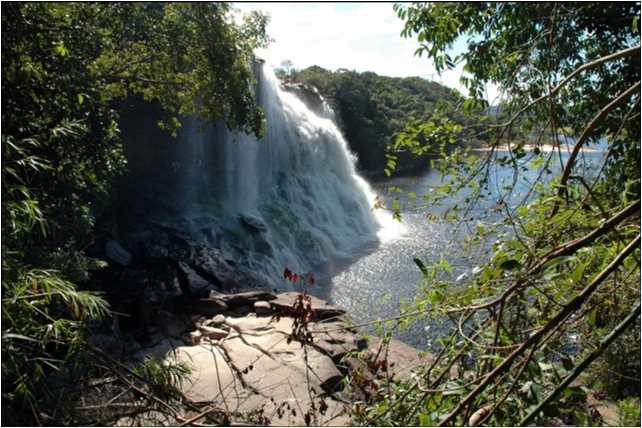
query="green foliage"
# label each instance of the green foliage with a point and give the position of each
(617, 373)
(373, 112)
(527, 49)
(66, 69)
(163, 379)
(557, 278)
(629, 412)
(43, 324)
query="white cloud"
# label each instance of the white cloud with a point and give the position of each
(356, 36)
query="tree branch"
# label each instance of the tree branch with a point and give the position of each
(614, 56)
(563, 250)
(584, 137)
(604, 343)
(568, 309)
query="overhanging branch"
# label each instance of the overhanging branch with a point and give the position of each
(620, 54)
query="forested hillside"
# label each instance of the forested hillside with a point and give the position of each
(372, 110)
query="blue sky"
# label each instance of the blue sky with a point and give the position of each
(356, 36)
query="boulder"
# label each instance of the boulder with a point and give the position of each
(212, 332)
(208, 306)
(252, 223)
(218, 320)
(191, 282)
(195, 337)
(211, 264)
(116, 253)
(262, 307)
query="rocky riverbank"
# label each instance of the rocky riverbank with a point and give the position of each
(245, 358)
(257, 354)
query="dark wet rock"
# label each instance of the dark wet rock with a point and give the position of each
(207, 306)
(116, 253)
(192, 283)
(172, 325)
(243, 310)
(307, 93)
(107, 342)
(210, 263)
(261, 244)
(253, 223)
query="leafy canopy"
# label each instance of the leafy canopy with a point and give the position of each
(563, 269)
(66, 68)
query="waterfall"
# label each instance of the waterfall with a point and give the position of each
(289, 199)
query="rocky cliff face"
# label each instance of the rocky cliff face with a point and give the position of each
(310, 96)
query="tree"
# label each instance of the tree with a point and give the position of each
(65, 69)
(287, 67)
(569, 265)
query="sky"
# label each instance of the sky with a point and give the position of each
(355, 36)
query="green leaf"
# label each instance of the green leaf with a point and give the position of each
(425, 420)
(421, 266)
(61, 49)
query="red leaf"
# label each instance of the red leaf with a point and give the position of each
(295, 278)
(310, 279)
(287, 273)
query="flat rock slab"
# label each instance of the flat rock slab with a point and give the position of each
(285, 302)
(262, 307)
(256, 367)
(242, 299)
(336, 340)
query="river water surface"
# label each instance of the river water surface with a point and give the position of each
(372, 284)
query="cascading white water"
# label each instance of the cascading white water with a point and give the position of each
(290, 199)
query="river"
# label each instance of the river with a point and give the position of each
(374, 282)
